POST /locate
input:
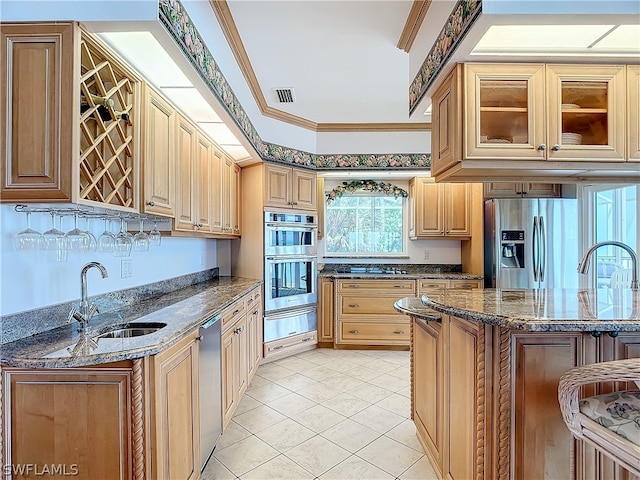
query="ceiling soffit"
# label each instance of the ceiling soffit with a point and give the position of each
(176, 21)
(228, 25)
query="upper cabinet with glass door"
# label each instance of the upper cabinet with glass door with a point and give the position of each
(504, 111)
(512, 122)
(586, 112)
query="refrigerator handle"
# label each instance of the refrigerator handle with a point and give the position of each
(543, 255)
(534, 249)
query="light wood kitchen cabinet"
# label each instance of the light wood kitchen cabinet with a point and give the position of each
(365, 314)
(241, 349)
(440, 210)
(175, 422)
(158, 192)
(516, 121)
(289, 187)
(230, 197)
(325, 311)
(521, 190)
(64, 135)
(202, 184)
(633, 112)
(427, 285)
(185, 217)
(254, 333)
(428, 395)
(217, 192)
(78, 418)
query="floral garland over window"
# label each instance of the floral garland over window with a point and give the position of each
(368, 185)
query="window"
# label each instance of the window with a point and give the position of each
(615, 213)
(364, 225)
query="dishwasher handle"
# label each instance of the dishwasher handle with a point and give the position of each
(211, 321)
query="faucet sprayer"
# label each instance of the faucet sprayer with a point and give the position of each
(584, 264)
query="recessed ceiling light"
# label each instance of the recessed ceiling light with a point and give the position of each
(554, 40)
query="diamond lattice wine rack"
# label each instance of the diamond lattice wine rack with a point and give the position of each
(109, 128)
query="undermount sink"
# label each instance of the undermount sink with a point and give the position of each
(133, 330)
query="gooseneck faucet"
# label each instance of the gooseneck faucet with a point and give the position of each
(86, 311)
(584, 264)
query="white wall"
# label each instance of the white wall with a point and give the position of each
(29, 280)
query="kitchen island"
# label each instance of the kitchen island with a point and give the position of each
(485, 367)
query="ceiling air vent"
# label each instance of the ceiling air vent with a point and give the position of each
(284, 95)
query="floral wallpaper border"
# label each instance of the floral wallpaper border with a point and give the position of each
(462, 17)
(176, 20)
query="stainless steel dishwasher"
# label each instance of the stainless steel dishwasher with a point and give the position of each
(210, 387)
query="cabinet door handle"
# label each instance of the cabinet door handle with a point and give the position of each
(255, 312)
(555, 148)
(151, 203)
(354, 331)
(294, 203)
(199, 339)
(399, 332)
(542, 147)
(354, 305)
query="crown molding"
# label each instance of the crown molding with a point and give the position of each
(228, 25)
(412, 26)
(374, 127)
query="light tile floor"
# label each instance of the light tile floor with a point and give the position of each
(324, 414)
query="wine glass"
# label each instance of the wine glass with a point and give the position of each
(92, 242)
(154, 235)
(78, 239)
(141, 239)
(124, 241)
(106, 240)
(28, 239)
(55, 242)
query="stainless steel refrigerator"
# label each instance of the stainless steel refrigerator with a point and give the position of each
(531, 243)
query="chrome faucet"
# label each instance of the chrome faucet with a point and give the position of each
(86, 311)
(584, 264)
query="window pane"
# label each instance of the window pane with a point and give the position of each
(364, 225)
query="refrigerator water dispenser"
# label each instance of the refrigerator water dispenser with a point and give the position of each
(512, 248)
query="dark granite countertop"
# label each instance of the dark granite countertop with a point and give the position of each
(559, 310)
(182, 310)
(408, 272)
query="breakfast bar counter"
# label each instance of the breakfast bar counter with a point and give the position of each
(485, 367)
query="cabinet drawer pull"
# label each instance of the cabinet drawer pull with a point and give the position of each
(354, 331)
(399, 332)
(399, 286)
(308, 339)
(276, 348)
(353, 285)
(235, 312)
(354, 305)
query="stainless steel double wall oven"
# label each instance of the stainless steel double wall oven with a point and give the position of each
(290, 272)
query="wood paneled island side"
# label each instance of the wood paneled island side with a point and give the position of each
(485, 366)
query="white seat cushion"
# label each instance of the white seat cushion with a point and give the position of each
(617, 411)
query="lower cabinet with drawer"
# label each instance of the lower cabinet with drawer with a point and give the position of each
(365, 313)
(241, 349)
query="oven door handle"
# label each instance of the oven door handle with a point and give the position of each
(301, 226)
(289, 258)
(289, 313)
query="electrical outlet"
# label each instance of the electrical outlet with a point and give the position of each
(202, 260)
(126, 268)
(426, 254)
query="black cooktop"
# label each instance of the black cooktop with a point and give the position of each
(376, 270)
